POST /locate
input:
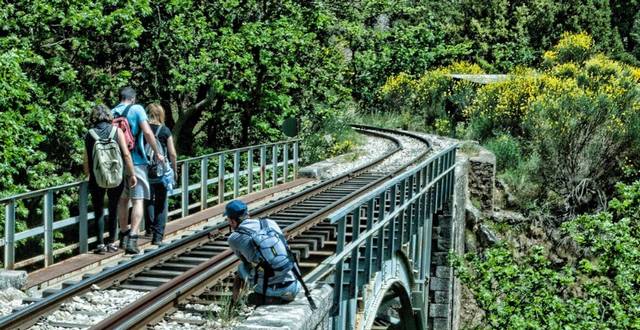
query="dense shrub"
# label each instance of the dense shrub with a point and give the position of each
(599, 291)
(525, 185)
(507, 150)
(580, 117)
(434, 96)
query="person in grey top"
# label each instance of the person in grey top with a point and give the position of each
(282, 286)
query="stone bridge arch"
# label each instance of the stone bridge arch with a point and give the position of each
(390, 288)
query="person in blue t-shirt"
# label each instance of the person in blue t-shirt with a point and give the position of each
(137, 119)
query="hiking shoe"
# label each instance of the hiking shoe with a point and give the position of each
(100, 249)
(156, 240)
(112, 247)
(148, 234)
(124, 237)
(132, 245)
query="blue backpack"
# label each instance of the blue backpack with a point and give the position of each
(275, 256)
(272, 248)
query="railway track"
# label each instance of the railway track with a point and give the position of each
(179, 282)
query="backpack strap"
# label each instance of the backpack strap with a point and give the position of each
(94, 135)
(298, 276)
(158, 130)
(126, 111)
(113, 132)
(244, 231)
(263, 223)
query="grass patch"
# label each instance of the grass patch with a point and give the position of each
(228, 314)
(469, 148)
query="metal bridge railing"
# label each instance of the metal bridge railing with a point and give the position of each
(234, 173)
(373, 228)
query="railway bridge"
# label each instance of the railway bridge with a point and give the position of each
(373, 243)
(390, 269)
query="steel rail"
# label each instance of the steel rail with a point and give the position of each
(154, 305)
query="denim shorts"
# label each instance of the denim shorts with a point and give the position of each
(141, 189)
(287, 293)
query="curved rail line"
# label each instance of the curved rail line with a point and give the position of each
(190, 266)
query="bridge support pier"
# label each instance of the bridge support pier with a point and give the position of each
(448, 235)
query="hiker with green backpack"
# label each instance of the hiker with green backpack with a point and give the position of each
(105, 157)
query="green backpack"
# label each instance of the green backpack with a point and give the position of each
(107, 160)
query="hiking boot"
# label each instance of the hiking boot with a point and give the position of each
(100, 249)
(123, 236)
(132, 245)
(157, 240)
(112, 247)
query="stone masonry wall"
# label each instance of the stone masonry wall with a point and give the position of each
(448, 234)
(441, 274)
(482, 177)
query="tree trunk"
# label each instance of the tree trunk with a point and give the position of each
(183, 129)
(256, 99)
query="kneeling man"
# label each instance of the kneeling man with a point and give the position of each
(267, 265)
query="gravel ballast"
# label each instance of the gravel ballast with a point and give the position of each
(10, 298)
(89, 308)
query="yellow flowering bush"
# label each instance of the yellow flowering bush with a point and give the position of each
(571, 47)
(398, 93)
(432, 96)
(580, 115)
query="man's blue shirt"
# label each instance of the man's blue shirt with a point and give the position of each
(136, 117)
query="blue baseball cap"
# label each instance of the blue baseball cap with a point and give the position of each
(235, 209)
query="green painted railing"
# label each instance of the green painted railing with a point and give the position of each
(372, 228)
(234, 173)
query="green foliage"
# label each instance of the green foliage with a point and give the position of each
(598, 292)
(580, 117)
(524, 183)
(434, 96)
(334, 137)
(507, 150)
(508, 34)
(405, 120)
(382, 37)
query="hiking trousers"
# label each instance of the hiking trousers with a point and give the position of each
(156, 210)
(97, 200)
